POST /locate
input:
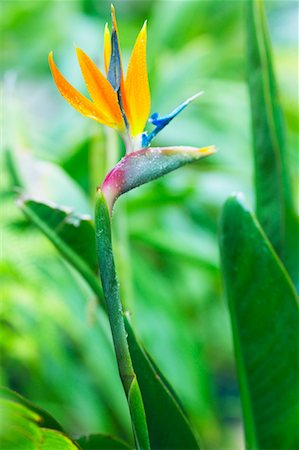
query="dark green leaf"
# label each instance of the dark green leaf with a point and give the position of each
(167, 424)
(265, 322)
(274, 202)
(101, 442)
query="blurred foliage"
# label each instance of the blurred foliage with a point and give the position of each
(53, 350)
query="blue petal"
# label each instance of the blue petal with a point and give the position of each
(161, 122)
(145, 141)
(153, 117)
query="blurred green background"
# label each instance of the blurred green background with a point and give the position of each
(53, 350)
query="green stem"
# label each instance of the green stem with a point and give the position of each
(116, 319)
(122, 256)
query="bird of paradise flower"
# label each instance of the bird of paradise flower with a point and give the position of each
(123, 103)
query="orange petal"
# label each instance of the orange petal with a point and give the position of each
(100, 90)
(77, 100)
(137, 87)
(107, 47)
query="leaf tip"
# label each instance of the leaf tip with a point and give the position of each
(210, 150)
(237, 198)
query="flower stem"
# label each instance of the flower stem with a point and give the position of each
(116, 319)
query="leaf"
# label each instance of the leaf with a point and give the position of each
(18, 426)
(46, 180)
(76, 164)
(274, 202)
(101, 442)
(66, 225)
(73, 235)
(139, 422)
(51, 439)
(265, 320)
(199, 252)
(20, 430)
(146, 165)
(167, 424)
(46, 420)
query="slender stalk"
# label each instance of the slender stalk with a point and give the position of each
(116, 319)
(122, 256)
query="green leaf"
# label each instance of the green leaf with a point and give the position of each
(265, 321)
(101, 442)
(46, 420)
(183, 247)
(52, 439)
(73, 235)
(274, 202)
(18, 426)
(45, 179)
(66, 225)
(167, 424)
(20, 430)
(135, 402)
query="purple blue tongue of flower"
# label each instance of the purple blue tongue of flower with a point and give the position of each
(161, 122)
(114, 72)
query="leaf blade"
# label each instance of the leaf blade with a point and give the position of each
(51, 439)
(167, 424)
(20, 428)
(101, 442)
(62, 228)
(273, 192)
(47, 420)
(264, 315)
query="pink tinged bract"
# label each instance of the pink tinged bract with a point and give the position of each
(148, 164)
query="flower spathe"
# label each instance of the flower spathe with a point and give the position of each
(147, 164)
(123, 103)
